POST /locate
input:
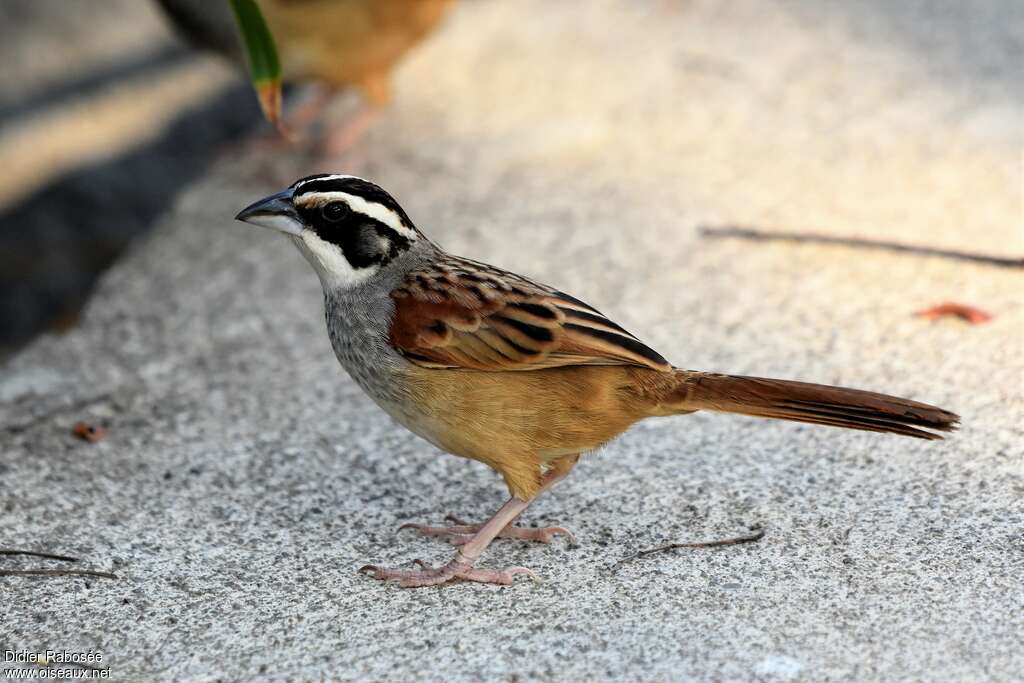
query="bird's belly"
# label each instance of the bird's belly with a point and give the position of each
(418, 422)
(544, 414)
(517, 423)
(387, 384)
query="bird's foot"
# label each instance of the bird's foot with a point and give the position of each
(340, 139)
(458, 568)
(460, 532)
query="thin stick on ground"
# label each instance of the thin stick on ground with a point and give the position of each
(757, 535)
(49, 572)
(741, 232)
(32, 553)
(57, 572)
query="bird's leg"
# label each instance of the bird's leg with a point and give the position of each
(461, 532)
(264, 166)
(376, 89)
(306, 113)
(461, 566)
(297, 123)
(340, 140)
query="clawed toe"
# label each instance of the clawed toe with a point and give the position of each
(431, 576)
(504, 577)
(540, 535)
(426, 576)
(427, 530)
(456, 535)
(460, 532)
(474, 539)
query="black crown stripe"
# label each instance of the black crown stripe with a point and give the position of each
(353, 186)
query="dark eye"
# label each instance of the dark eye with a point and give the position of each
(334, 211)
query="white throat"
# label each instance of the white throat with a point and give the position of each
(330, 264)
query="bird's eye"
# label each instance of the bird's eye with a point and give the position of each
(334, 211)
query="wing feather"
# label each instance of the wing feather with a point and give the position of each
(464, 314)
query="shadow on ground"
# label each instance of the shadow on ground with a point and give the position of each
(57, 241)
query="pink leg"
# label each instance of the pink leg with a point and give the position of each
(304, 115)
(461, 566)
(297, 123)
(342, 139)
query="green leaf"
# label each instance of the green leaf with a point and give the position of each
(264, 66)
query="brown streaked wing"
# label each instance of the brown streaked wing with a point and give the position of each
(464, 314)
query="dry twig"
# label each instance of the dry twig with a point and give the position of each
(970, 314)
(32, 553)
(89, 432)
(49, 572)
(757, 535)
(742, 232)
(57, 572)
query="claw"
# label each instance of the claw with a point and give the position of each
(476, 538)
(430, 576)
(549, 533)
(426, 530)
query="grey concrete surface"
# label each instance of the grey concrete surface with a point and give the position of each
(245, 478)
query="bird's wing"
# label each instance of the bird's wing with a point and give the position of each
(463, 314)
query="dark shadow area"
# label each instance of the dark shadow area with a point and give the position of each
(55, 243)
(93, 82)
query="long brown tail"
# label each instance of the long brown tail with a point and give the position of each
(814, 403)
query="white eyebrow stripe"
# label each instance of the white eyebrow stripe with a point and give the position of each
(371, 209)
(314, 179)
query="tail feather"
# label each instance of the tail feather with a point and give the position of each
(812, 403)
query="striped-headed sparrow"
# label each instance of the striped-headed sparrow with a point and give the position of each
(490, 365)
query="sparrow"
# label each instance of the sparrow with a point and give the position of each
(335, 43)
(490, 365)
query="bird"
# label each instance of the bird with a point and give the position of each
(493, 366)
(336, 43)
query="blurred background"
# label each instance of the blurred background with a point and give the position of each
(106, 114)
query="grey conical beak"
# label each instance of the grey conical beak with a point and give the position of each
(275, 211)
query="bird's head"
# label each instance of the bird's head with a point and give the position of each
(348, 228)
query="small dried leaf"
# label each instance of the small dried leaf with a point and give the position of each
(974, 316)
(89, 432)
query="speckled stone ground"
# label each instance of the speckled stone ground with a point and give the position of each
(245, 478)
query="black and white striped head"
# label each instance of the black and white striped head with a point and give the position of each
(346, 227)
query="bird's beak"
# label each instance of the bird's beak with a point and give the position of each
(275, 211)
